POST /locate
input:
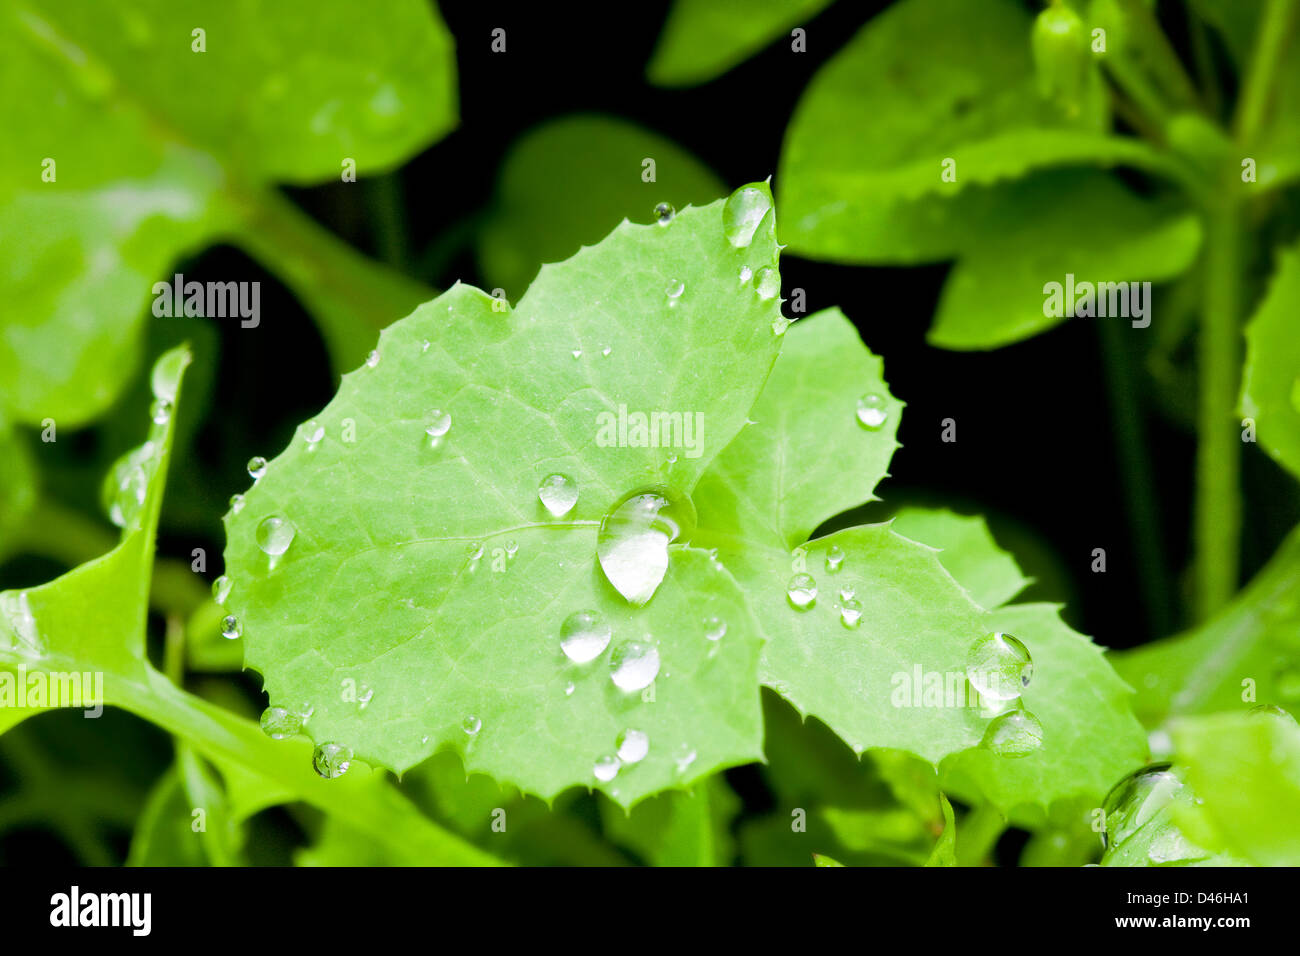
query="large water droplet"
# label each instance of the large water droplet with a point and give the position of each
(633, 745)
(471, 725)
(256, 467)
(126, 485)
(872, 411)
(332, 760)
(1137, 798)
(230, 627)
(632, 544)
(221, 589)
(767, 282)
(802, 591)
(584, 635)
(1271, 712)
(999, 666)
(439, 425)
(634, 665)
(606, 768)
(558, 493)
(743, 211)
(1017, 733)
(664, 213)
(275, 534)
(279, 723)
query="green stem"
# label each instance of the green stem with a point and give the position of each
(1275, 28)
(1158, 54)
(978, 833)
(1139, 483)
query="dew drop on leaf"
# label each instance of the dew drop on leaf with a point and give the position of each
(634, 665)
(584, 635)
(569, 688)
(848, 593)
(872, 411)
(606, 768)
(767, 282)
(999, 666)
(802, 591)
(558, 493)
(230, 627)
(312, 432)
(633, 745)
(674, 289)
(471, 725)
(746, 273)
(684, 757)
(160, 411)
(1136, 799)
(373, 358)
(715, 628)
(256, 467)
(779, 325)
(664, 213)
(279, 723)
(332, 760)
(439, 425)
(743, 211)
(1017, 733)
(1270, 712)
(221, 589)
(632, 544)
(851, 613)
(275, 534)
(834, 558)
(236, 504)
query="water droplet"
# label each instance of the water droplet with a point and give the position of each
(558, 493)
(1271, 712)
(1017, 733)
(872, 411)
(746, 273)
(848, 593)
(633, 540)
(834, 558)
(744, 210)
(332, 760)
(684, 757)
(373, 358)
(633, 745)
(279, 723)
(606, 768)
(312, 433)
(664, 213)
(779, 325)
(275, 534)
(16, 612)
(767, 282)
(999, 666)
(569, 688)
(471, 725)
(802, 591)
(577, 353)
(715, 628)
(236, 504)
(126, 485)
(606, 350)
(221, 589)
(256, 467)
(425, 345)
(1137, 798)
(160, 411)
(584, 635)
(439, 425)
(230, 627)
(674, 289)
(634, 665)
(851, 613)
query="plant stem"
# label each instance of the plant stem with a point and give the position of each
(1275, 27)
(1154, 48)
(978, 834)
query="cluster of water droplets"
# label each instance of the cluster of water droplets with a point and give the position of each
(999, 667)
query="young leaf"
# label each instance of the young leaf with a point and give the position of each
(427, 611)
(702, 39)
(678, 829)
(967, 550)
(600, 158)
(945, 848)
(1270, 389)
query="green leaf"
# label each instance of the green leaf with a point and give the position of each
(1085, 225)
(820, 859)
(678, 829)
(1270, 390)
(967, 550)
(163, 834)
(533, 217)
(702, 39)
(380, 618)
(1248, 653)
(945, 848)
(185, 146)
(1246, 771)
(971, 99)
(17, 487)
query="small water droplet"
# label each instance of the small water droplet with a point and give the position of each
(221, 589)
(1017, 733)
(584, 635)
(160, 411)
(279, 723)
(439, 425)
(664, 213)
(779, 325)
(312, 433)
(275, 534)
(606, 768)
(683, 757)
(848, 593)
(746, 273)
(715, 628)
(236, 504)
(767, 282)
(425, 345)
(569, 688)
(256, 467)
(577, 353)
(471, 725)
(999, 666)
(743, 211)
(872, 411)
(332, 760)
(606, 350)
(674, 289)
(851, 613)
(230, 627)
(633, 745)
(634, 665)
(632, 543)
(834, 558)
(802, 591)
(558, 493)
(372, 359)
